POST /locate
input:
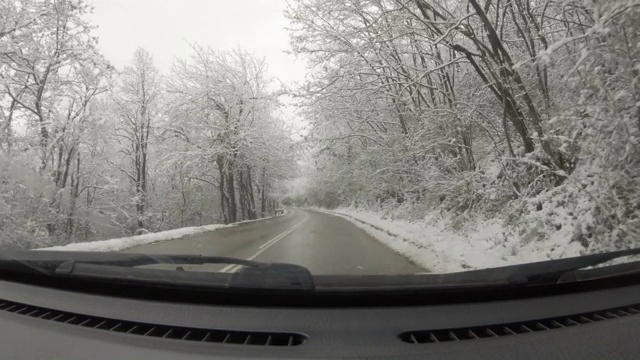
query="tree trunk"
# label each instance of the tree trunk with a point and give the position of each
(263, 202)
(242, 192)
(252, 200)
(6, 128)
(231, 194)
(247, 199)
(223, 197)
(75, 186)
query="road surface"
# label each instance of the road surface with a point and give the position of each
(325, 244)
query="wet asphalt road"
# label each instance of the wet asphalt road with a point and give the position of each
(323, 243)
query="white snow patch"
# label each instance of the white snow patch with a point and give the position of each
(131, 241)
(431, 245)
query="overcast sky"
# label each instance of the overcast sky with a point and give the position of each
(166, 27)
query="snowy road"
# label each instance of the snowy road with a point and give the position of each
(323, 243)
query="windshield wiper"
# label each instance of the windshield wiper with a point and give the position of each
(132, 260)
(537, 273)
(124, 267)
(253, 274)
(554, 271)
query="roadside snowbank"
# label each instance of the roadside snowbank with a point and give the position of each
(431, 245)
(131, 241)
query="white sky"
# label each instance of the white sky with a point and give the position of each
(166, 27)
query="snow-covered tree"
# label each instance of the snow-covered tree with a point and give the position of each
(462, 106)
(136, 100)
(224, 108)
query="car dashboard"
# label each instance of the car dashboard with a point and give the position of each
(38, 322)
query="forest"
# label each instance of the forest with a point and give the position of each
(527, 111)
(88, 151)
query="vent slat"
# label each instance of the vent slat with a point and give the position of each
(541, 326)
(57, 316)
(226, 338)
(491, 333)
(413, 338)
(85, 322)
(571, 322)
(586, 319)
(525, 328)
(100, 324)
(24, 310)
(206, 337)
(517, 328)
(70, 319)
(559, 325)
(134, 328)
(44, 314)
(32, 312)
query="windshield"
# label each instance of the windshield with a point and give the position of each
(366, 137)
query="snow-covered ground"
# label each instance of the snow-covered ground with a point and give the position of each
(131, 241)
(431, 245)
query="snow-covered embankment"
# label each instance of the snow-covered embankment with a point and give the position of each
(438, 249)
(131, 241)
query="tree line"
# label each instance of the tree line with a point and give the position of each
(88, 151)
(469, 106)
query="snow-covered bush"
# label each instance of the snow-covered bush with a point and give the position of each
(601, 131)
(24, 205)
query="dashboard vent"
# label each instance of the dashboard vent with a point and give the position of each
(155, 330)
(516, 328)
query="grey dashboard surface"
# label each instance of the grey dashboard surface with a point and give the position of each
(330, 332)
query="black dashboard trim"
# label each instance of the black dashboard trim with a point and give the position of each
(330, 292)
